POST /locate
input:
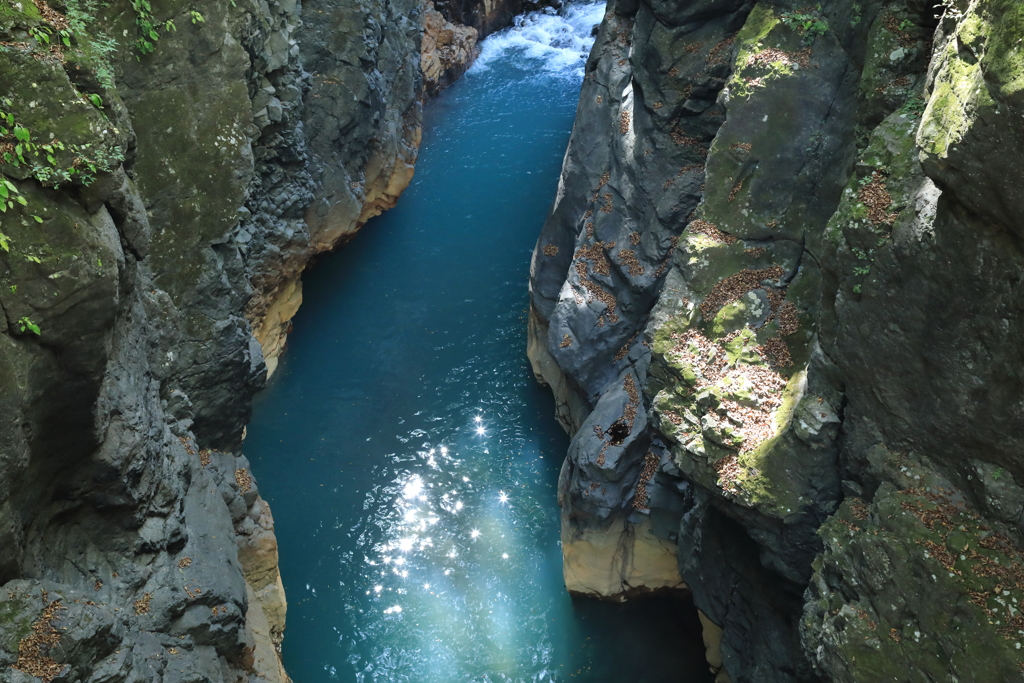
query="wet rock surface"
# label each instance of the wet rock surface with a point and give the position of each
(779, 222)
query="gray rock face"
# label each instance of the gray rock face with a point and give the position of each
(162, 194)
(818, 310)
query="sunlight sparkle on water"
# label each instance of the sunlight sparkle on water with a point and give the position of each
(413, 488)
(502, 496)
(475, 533)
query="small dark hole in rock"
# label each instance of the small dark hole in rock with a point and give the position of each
(618, 432)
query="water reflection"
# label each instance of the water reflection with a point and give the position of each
(447, 557)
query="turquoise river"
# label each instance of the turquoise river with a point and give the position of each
(409, 456)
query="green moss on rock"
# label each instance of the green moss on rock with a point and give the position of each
(874, 612)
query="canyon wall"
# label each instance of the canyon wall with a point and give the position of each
(778, 302)
(167, 174)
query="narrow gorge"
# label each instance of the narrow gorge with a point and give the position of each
(776, 299)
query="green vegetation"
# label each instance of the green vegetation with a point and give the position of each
(27, 325)
(914, 106)
(95, 46)
(41, 159)
(934, 544)
(148, 25)
(50, 136)
(809, 24)
(862, 270)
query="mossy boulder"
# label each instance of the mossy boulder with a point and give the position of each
(971, 140)
(895, 60)
(42, 100)
(17, 17)
(789, 113)
(880, 194)
(915, 586)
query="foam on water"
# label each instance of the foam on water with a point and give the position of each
(556, 42)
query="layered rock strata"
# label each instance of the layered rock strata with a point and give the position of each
(167, 174)
(776, 302)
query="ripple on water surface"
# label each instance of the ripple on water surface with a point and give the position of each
(410, 458)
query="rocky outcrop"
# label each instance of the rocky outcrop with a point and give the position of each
(446, 52)
(347, 151)
(344, 152)
(775, 300)
(167, 173)
(490, 15)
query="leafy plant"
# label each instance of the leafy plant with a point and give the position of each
(806, 24)
(145, 22)
(27, 325)
(42, 160)
(97, 45)
(865, 268)
(9, 195)
(101, 47)
(914, 106)
(41, 34)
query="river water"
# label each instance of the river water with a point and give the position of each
(409, 457)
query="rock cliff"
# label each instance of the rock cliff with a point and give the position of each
(777, 299)
(168, 170)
